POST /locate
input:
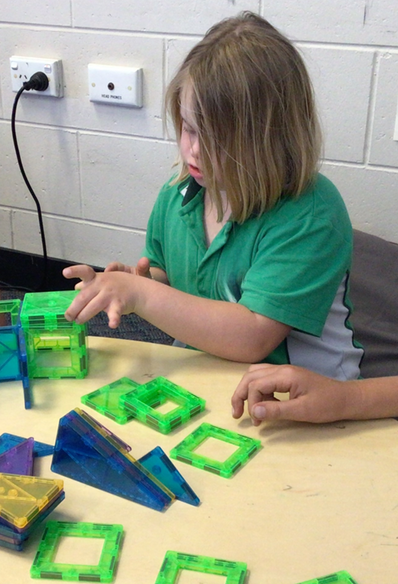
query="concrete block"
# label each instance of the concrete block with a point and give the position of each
(122, 177)
(356, 22)
(5, 228)
(37, 12)
(149, 15)
(370, 195)
(176, 51)
(50, 160)
(383, 149)
(78, 241)
(341, 78)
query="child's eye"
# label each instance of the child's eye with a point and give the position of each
(188, 129)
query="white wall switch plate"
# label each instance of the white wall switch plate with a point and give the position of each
(22, 69)
(115, 85)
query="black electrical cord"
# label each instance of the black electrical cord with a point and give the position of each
(39, 82)
(6, 285)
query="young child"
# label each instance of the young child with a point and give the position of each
(248, 249)
(312, 397)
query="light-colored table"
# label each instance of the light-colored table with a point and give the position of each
(313, 500)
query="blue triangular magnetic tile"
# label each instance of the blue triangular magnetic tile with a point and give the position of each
(160, 465)
(87, 455)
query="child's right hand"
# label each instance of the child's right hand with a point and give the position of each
(116, 293)
(141, 269)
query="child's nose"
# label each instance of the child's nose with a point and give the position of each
(195, 147)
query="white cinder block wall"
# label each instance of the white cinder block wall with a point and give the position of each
(97, 168)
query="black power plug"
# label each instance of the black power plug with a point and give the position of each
(38, 81)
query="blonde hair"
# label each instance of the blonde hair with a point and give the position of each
(254, 108)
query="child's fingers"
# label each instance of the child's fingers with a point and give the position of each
(277, 410)
(258, 381)
(238, 398)
(81, 312)
(142, 268)
(113, 318)
(258, 385)
(83, 272)
(115, 267)
(87, 304)
(74, 310)
(238, 406)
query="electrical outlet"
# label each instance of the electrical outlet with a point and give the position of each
(22, 69)
(115, 85)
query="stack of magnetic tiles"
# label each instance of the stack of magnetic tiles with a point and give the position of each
(37, 340)
(25, 500)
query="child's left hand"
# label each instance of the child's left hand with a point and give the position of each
(113, 292)
(312, 397)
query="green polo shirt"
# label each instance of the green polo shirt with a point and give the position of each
(286, 264)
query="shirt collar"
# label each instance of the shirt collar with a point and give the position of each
(189, 191)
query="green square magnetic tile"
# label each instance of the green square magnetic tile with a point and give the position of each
(143, 401)
(11, 309)
(175, 562)
(246, 448)
(46, 310)
(105, 400)
(44, 566)
(55, 347)
(341, 577)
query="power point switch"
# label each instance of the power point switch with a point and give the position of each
(22, 69)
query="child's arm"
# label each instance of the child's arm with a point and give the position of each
(312, 397)
(225, 329)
